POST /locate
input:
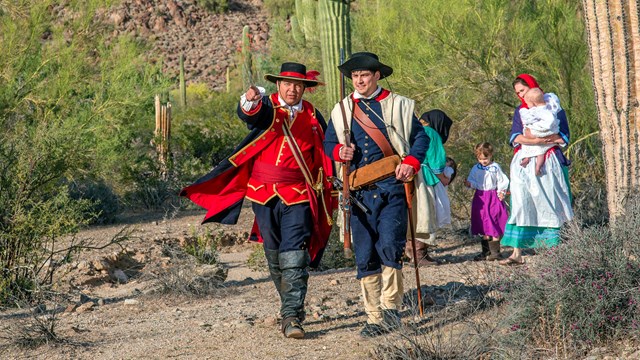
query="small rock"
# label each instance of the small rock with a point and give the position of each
(100, 265)
(120, 276)
(71, 308)
(84, 307)
(101, 302)
(270, 321)
(130, 302)
(335, 282)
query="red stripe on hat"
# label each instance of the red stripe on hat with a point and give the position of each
(293, 74)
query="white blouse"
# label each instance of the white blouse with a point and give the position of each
(488, 178)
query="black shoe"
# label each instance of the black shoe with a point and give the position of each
(291, 328)
(372, 330)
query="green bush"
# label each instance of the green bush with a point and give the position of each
(72, 105)
(105, 202)
(581, 294)
(215, 6)
(280, 8)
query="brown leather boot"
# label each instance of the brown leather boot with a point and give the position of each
(423, 256)
(494, 247)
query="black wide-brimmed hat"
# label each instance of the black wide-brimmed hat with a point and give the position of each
(295, 71)
(365, 61)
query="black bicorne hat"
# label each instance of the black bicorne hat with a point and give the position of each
(295, 71)
(365, 61)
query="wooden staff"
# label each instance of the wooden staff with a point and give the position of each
(408, 190)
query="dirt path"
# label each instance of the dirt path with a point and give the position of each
(238, 321)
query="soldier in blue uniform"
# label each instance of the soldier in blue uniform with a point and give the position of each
(382, 124)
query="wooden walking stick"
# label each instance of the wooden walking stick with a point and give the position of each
(408, 190)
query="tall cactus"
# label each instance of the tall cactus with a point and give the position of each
(247, 61)
(296, 31)
(614, 44)
(183, 85)
(306, 11)
(335, 33)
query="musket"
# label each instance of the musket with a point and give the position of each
(345, 203)
(337, 184)
(408, 190)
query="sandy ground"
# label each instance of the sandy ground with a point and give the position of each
(237, 321)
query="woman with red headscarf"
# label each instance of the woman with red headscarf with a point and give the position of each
(540, 205)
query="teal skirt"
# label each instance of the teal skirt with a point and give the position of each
(531, 237)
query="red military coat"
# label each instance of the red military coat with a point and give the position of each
(222, 190)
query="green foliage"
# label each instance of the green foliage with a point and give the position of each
(104, 203)
(462, 56)
(203, 246)
(72, 103)
(257, 260)
(207, 131)
(333, 257)
(215, 6)
(582, 294)
(281, 9)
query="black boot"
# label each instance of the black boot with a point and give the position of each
(485, 251)
(273, 261)
(294, 289)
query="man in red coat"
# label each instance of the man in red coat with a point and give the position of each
(282, 169)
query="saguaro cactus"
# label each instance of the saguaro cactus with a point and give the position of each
(335, 33)
(614, 45)
(306, 11)
(247, 61)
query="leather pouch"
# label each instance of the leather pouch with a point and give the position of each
(374, 172)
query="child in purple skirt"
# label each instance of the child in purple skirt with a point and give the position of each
(488, 211)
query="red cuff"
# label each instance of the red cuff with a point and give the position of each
(410, 160)
(254, 110)
(336, 153)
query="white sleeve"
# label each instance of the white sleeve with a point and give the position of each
(503, 179)
(248, 105)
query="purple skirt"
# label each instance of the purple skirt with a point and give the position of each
(488, 214)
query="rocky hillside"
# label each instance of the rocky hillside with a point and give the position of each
(210, 42)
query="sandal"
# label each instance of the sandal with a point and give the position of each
(511, 262)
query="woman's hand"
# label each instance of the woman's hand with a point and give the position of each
(467, 183)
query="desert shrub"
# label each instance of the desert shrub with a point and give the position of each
(215, 6)
(105, 203)
(280, 8)
(202, 246)
(257, 260)
(333, 257)
(208, 131)
(581, 294)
